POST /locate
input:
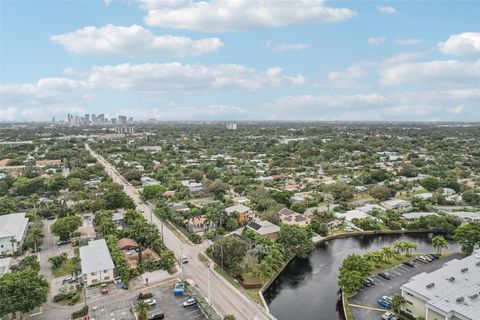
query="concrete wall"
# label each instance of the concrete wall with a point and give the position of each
(98, 277)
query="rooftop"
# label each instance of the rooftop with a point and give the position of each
(237, 208)
(263, 227)
(13, 225)
(452, 290)
(95, 257)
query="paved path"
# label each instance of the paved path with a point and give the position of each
(226, 299)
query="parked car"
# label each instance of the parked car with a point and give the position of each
(69, 279)
(63, 242)
(385, 275)
(408, 264)
(427, 258)
(104, 289)
(384, 304)
(155, 315)
(433, 256)
(395, 318)
(388, 316)
(387, 298)
(370, 280)
(184, 259)
(190, 302)
(421, 259)
(143, 296)
(150, 302)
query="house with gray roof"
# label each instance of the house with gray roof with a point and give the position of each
(291, 217)
(13, 228)
(264, 228)
(96, 263)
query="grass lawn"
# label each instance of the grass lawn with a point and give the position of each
(202, 258)
(346, 303)
(65, 269)
(253, 293)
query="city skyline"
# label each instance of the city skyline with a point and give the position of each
(185, 61)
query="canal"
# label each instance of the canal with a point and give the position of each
(307, 289)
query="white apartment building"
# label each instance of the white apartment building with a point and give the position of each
(13, 228)
(96, 263)
(449, 293)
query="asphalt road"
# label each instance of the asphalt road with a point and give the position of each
(225, 298)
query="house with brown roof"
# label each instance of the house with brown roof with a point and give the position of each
(291, 217)
(127, 244)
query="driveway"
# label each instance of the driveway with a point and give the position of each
(366, 299)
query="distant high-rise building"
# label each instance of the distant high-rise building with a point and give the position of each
(122, 119)
(101, 118)
(231, 126)
(53, 119)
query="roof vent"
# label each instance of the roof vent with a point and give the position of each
(464, 270)
(460, 299)
(474, 296)
(430, 285)
(478, 264)
(451, 279)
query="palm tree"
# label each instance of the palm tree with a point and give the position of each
(399, 246)
(36, 235)
(142, 309)
(409, 246)
(388, 253)
(439, 243)
(34, 199)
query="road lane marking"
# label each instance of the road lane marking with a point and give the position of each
(366, 307)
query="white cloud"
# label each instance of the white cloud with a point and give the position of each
(167, 77)
(458, 110)
(422, 105)
(408, 42)
(235, 15)
(387, 9)
(282, 46)
(376, 41)
(352, 77)
(8, 114)
(173, 111)
(463, 44)
(132, 41)
(433, 72)
(48, 91)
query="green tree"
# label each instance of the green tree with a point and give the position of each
(22, 291)
(29, 262)
(57, 261)
(388, 253)
(439, 243)
(381, 192)
(397, 302)
(431, 183)
(103, 222)
(229, 317)
(471, 197)
(64, 227)
(296, 239)
(142, 310)
(468, 235)
(36, 235)
(153, 191)
(350, 281)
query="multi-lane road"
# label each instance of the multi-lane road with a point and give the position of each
(225, 298)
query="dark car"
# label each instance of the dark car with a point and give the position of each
(408, 264)
(433, 256)
(63, 242)
(385, 275)
(154, 315)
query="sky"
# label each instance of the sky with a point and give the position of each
(241, 60)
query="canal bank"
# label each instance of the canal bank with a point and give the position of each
(308, 287)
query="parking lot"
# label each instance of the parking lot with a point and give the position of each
(171, 305)
(365, 305)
